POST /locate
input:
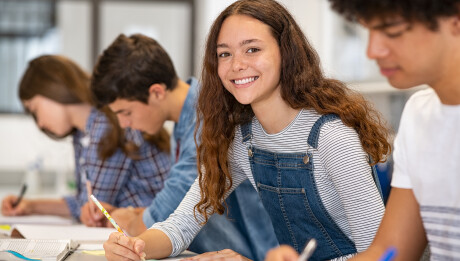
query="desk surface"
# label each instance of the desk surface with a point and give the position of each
(80, 256)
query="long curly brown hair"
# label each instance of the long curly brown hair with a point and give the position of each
(303, 85)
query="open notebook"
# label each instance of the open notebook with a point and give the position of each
(78, 233)
(43, 249)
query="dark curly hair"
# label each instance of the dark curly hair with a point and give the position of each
(425, 11)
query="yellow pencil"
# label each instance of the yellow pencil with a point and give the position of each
(106, 214)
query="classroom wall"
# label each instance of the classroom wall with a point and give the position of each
(22, 144)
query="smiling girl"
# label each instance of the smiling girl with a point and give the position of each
(304, 141)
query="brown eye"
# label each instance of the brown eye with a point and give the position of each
(223, 55)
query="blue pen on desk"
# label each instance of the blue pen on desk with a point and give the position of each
(308, 250)
(18, 255)
(21, 195)
(389, 254)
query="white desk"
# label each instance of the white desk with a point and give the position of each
(80, 256)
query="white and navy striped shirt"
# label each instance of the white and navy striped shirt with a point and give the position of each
(343, 177)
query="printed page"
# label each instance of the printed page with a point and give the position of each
(36, 248)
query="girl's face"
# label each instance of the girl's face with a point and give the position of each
(249, 60)
(49, 115)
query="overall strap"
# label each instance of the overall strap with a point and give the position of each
(314, 132)
(246, 131)
(313, 142)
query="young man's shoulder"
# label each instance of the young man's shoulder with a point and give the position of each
(420, 102)
(422, 95)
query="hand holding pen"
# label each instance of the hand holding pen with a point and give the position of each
(15, 205)
(308, 250)
(106, 214)
(21, 195)
(389, 254)
(116, 236)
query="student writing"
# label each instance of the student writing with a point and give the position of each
(118, 163)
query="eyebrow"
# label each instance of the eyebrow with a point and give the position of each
(387, 24)
(119, 111)
(244, 42)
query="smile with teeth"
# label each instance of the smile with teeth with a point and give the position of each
(245, 80)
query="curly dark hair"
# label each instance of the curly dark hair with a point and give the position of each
(303, 85)
(424, 11)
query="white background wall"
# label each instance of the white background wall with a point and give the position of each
(21, 143)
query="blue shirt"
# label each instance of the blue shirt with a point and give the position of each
(247, 228)
(119, 180)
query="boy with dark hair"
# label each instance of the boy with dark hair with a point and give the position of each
(415, 43)
(136, 78)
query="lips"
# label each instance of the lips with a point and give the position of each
(388, 71)
(244, 81)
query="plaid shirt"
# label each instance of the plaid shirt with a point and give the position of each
(119, 180)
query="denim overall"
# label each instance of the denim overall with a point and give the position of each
(288, 191)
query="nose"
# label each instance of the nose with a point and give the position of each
(376, 47)
(124, 122)
(238, 63)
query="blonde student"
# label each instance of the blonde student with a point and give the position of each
(268, 114)
(122, 167)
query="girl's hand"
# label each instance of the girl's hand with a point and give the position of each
(282, 253)
(226, 254)
(121, 247)
(21, 209)
(91, 216)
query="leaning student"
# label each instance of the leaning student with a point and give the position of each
(269, 115)
(117, 163)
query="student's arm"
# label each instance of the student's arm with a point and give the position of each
(401, 227)
(118, 180)
(35, 207)
(152, 244)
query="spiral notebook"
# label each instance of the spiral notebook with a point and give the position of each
(44, 249)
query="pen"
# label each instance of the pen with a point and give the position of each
(389, 254)
(21, 195)
(110, 218)
(89, 192)
(106, 214)
(308, 250)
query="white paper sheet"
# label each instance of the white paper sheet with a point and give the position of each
(80, 233)
(35, 219)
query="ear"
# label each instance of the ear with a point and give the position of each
(157, 92)
(456, 25)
